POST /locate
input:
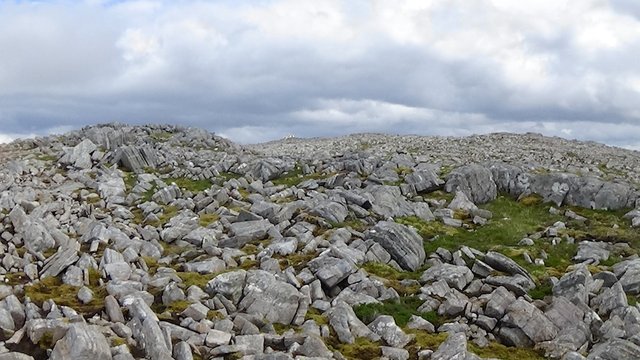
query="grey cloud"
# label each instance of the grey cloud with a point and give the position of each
(213, 65)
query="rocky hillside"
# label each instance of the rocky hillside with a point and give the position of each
(161, 242)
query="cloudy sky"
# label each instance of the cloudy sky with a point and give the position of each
(259, 70)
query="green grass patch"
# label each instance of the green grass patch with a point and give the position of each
(295, 176)
(604, 225)
(401, 309)
(531, 200)
(138, 216)
(226, 176)
(559, 257)
(403, 170)
(194, 186)
(544, 288)
(290, 178)
(163, 218)
(207, 219)
(152, 264)
(249, 264)
(117, 341)
(424, 340)
(446, 170)
(167, 214)
(130, 180)
(161, 136)
(355, 224)
(16, 278)
(47, 157)
(432, 229)
(393, 278)
(175, 308)
(511, 222)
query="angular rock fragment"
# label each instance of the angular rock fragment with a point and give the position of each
(274, 300)
(475, 181)
(82, 342)
(456, 276)
(403, 243)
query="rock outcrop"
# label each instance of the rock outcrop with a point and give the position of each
(165, 242)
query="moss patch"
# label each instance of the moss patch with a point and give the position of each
(604, 225)
(194, 278)
(511, 222)
(295, 176)
(130, 180)
(205, 220)
(361, 349)
(356, 225)
(175, 308)
(544, 288)
(194, 186)
(315, 315)
(66, 295)
(161, 136)
(152, 264)
(297, 260)
(499, 351)
(393, 278)
(16, 278)
(423, 340)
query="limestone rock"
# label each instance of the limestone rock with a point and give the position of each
(385, 326)
(264, 295)
(475, 181)
(456, 276)
(82, 342)
(401, 242)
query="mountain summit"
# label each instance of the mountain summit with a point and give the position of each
(161, 242)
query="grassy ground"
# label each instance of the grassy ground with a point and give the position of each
(191, 185)
(513, 220)
(295, 177)
(394, 278)
(401, 310)
(66, 295)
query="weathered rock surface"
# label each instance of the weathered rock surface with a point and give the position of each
(274, 300)
(81, 342)
(401, 242)
(203, 248)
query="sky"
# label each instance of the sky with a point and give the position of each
(258, 70)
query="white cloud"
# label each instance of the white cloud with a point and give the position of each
(256, 70)
(4, 138)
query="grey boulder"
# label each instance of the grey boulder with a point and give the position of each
(454, 348)
(403, 243)
(264, 295)
(81, 342)
(331, 270)
(475, 181)
(385, 326)
(455, 276)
